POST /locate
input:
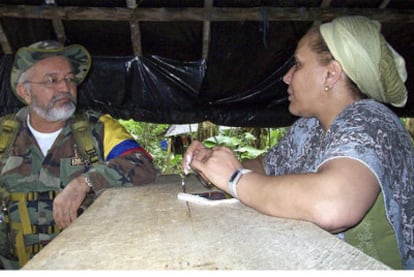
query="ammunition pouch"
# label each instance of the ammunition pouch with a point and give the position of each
(8, 130)
(83, 136)
(5, 245)
(25, 239)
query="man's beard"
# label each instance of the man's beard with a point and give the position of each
(52, 113)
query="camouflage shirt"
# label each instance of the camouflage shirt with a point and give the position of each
(122, 162)
(366, 131)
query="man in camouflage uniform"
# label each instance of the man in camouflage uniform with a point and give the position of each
(57, 159)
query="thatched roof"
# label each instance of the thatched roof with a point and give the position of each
(189, 61)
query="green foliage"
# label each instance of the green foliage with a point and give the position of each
(150, 135)
(240, 145)
(275, 135)
(242, 142)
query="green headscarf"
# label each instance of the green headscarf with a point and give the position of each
(366, 57)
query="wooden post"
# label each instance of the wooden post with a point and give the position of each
(4, 41)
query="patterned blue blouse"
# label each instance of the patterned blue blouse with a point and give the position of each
(371, 133)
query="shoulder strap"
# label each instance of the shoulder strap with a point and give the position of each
(8, 131)
(83, 136)
(9, 127)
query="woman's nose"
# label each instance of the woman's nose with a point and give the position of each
(287, 78)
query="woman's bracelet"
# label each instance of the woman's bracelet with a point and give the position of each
(234, 180)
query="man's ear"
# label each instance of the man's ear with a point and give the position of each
(23, 92)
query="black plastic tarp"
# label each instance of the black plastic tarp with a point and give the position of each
(158, 90)
(238, 84)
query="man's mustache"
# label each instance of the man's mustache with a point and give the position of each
(65, 95)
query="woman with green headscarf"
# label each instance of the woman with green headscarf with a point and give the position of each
(347, 164)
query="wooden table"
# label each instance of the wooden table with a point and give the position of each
(147, 227)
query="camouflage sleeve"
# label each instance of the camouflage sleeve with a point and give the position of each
(126, 162)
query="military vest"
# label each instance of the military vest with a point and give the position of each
(21, 239)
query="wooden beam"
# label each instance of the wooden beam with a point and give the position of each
(324, 4)
(135, 37)
(202, 14)
(59, 30)
(5, 45)
(384, 4)
(134, 28)
(206, 30)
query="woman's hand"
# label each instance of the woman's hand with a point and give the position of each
(196, 150)
(215, 165)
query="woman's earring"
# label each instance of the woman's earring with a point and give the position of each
(326, 88)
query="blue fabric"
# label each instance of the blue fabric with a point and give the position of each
(123, 147)
(369, 132)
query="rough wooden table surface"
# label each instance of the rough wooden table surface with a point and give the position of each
(149, 228)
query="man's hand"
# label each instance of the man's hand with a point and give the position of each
(68, 201)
